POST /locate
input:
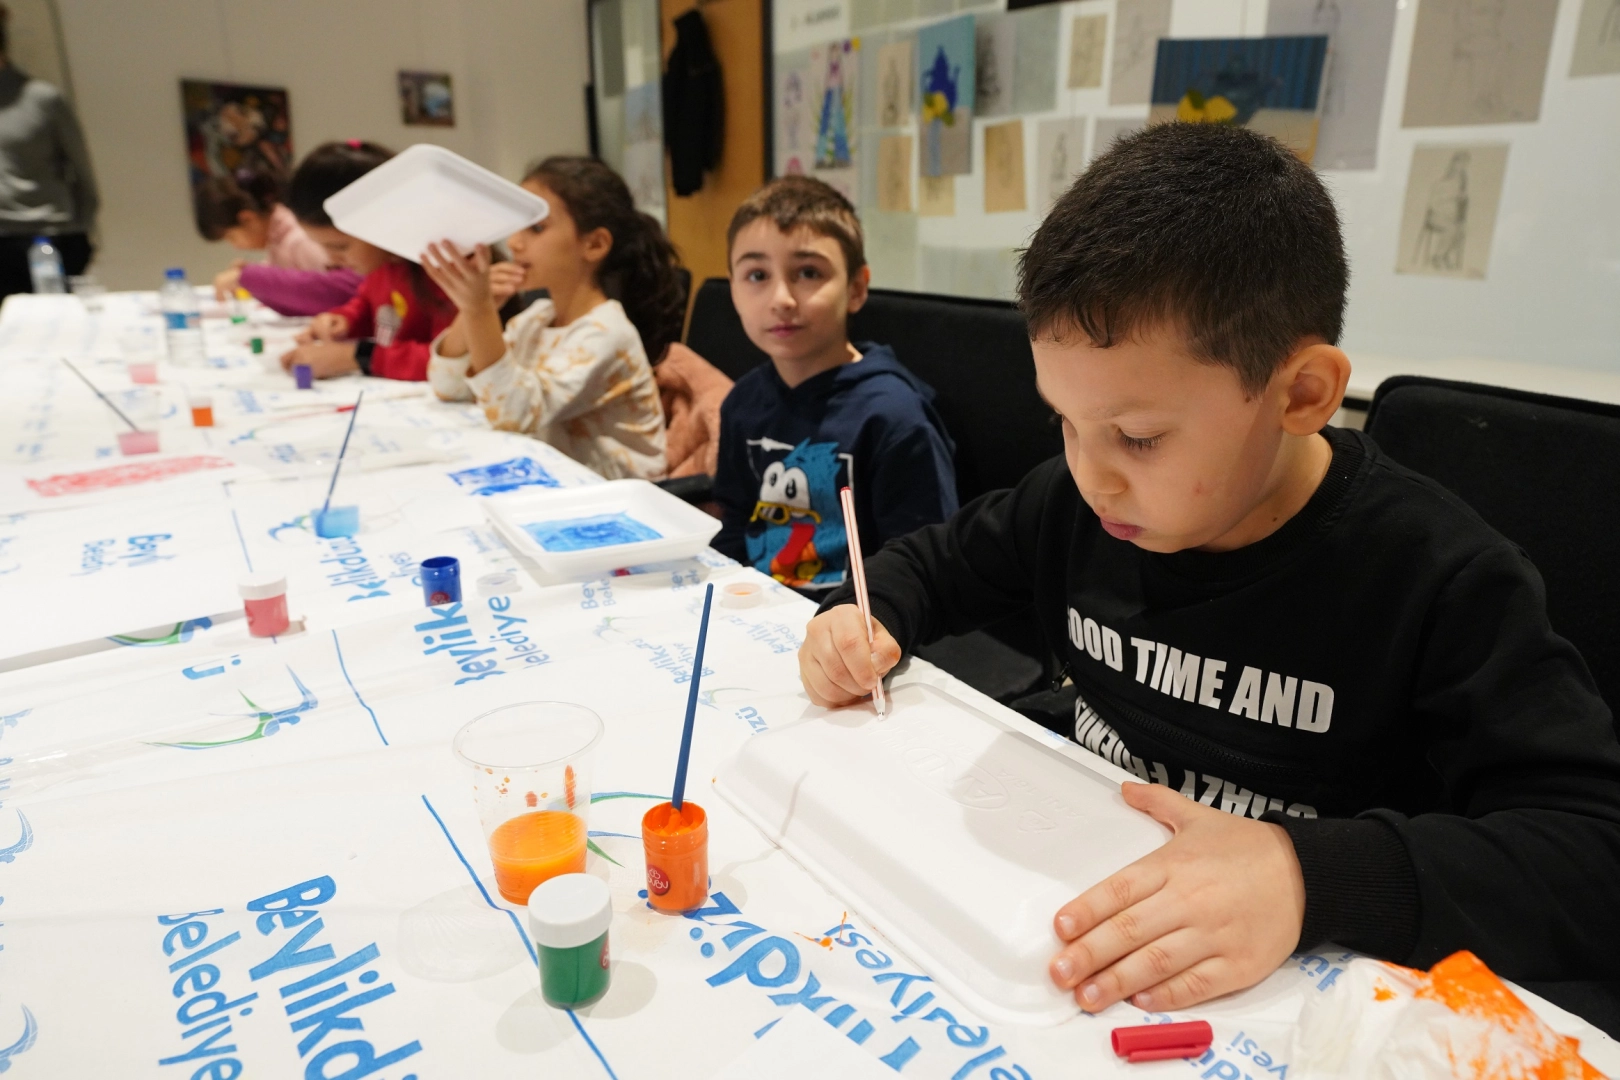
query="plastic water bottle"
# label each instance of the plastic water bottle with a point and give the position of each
(182, 319)
(45, 266)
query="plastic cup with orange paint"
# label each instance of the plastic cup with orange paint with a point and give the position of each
(676, 843)
(531, 772)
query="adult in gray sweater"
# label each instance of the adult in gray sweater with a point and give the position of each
(46, 185)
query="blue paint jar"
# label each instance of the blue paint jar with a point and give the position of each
(441, 580)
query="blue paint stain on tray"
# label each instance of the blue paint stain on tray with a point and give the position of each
(510, 475)
(582, 534)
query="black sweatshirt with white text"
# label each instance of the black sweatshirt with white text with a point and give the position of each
(1378, 677)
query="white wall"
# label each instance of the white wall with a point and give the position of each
(518, 67)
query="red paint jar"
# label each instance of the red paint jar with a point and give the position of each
(264, 598)
(676, 843)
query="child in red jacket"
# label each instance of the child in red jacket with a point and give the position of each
(386, 327)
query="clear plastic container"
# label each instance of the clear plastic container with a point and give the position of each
(531, 768)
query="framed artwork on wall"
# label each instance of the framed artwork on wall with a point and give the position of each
(426, 99)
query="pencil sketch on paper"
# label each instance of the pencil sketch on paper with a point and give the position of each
(894, 84)
(993, 65)
(1359, 36)
(792, 122)
(1452, 196)
(1088, 40)
(1060, 154)
(936, 196)
(1597, 39)
(1478, 62)
(1035, 60)
(1138, 26)
(1004, 167)
(1108, 130)
(894, 173)
(1445, 219)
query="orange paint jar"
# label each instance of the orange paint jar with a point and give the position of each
(676, 843)
(536, 847)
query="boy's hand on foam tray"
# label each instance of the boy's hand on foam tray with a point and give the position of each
(326, 359)
(836, 664)
(1216, 909)
(505, 281)
(465, 279)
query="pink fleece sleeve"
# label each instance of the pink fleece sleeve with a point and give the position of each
(299, 292)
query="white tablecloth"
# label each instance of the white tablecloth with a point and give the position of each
(222, 856)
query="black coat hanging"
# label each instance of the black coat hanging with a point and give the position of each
(694, 105)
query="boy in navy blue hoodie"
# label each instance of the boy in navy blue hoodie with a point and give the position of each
(823, 413)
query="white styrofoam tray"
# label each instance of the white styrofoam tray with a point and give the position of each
(428, 193)
(953, 834)
(683, 529)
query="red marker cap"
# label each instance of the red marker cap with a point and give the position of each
(1161, 1042)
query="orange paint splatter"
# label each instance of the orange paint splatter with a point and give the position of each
(529, 799)
(825, 942)
(568, 785)
(1462, 983)
(1382, 993)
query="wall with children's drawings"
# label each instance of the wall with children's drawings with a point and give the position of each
(518, 67)
(1550, 285)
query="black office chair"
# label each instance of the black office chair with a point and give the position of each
(1542, 471)
(976, 356)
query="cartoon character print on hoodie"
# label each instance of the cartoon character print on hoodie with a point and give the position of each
(785, 453)
(796, 532)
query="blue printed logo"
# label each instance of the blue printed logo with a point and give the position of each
(26, 1042)
(502, 476)
(266, 723)
(181, 633)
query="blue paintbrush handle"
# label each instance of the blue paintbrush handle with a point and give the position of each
(692, 703)
(344, 449)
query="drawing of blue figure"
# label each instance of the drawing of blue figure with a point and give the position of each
(832, 131)
(939, 95)
(803, 543)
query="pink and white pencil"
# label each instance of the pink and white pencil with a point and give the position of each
(857, 567)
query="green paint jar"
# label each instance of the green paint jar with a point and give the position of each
(257, 345)
(569, 916)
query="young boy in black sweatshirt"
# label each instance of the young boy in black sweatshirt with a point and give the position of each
(1264, 615)
(823, 413)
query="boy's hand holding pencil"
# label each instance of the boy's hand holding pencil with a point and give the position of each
(836, 663)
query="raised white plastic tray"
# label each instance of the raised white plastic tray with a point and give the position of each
(524, 520)
(428, 193)
(954, 835)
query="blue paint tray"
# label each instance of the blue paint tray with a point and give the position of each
(584, 532)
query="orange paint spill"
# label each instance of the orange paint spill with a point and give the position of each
(1382, 993)
(1463, 984)
(530, 800)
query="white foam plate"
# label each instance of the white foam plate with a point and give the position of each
(683, 530)
(428, 193)
(953, 834)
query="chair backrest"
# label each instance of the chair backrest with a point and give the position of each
(974, 353)
(1542, 471)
